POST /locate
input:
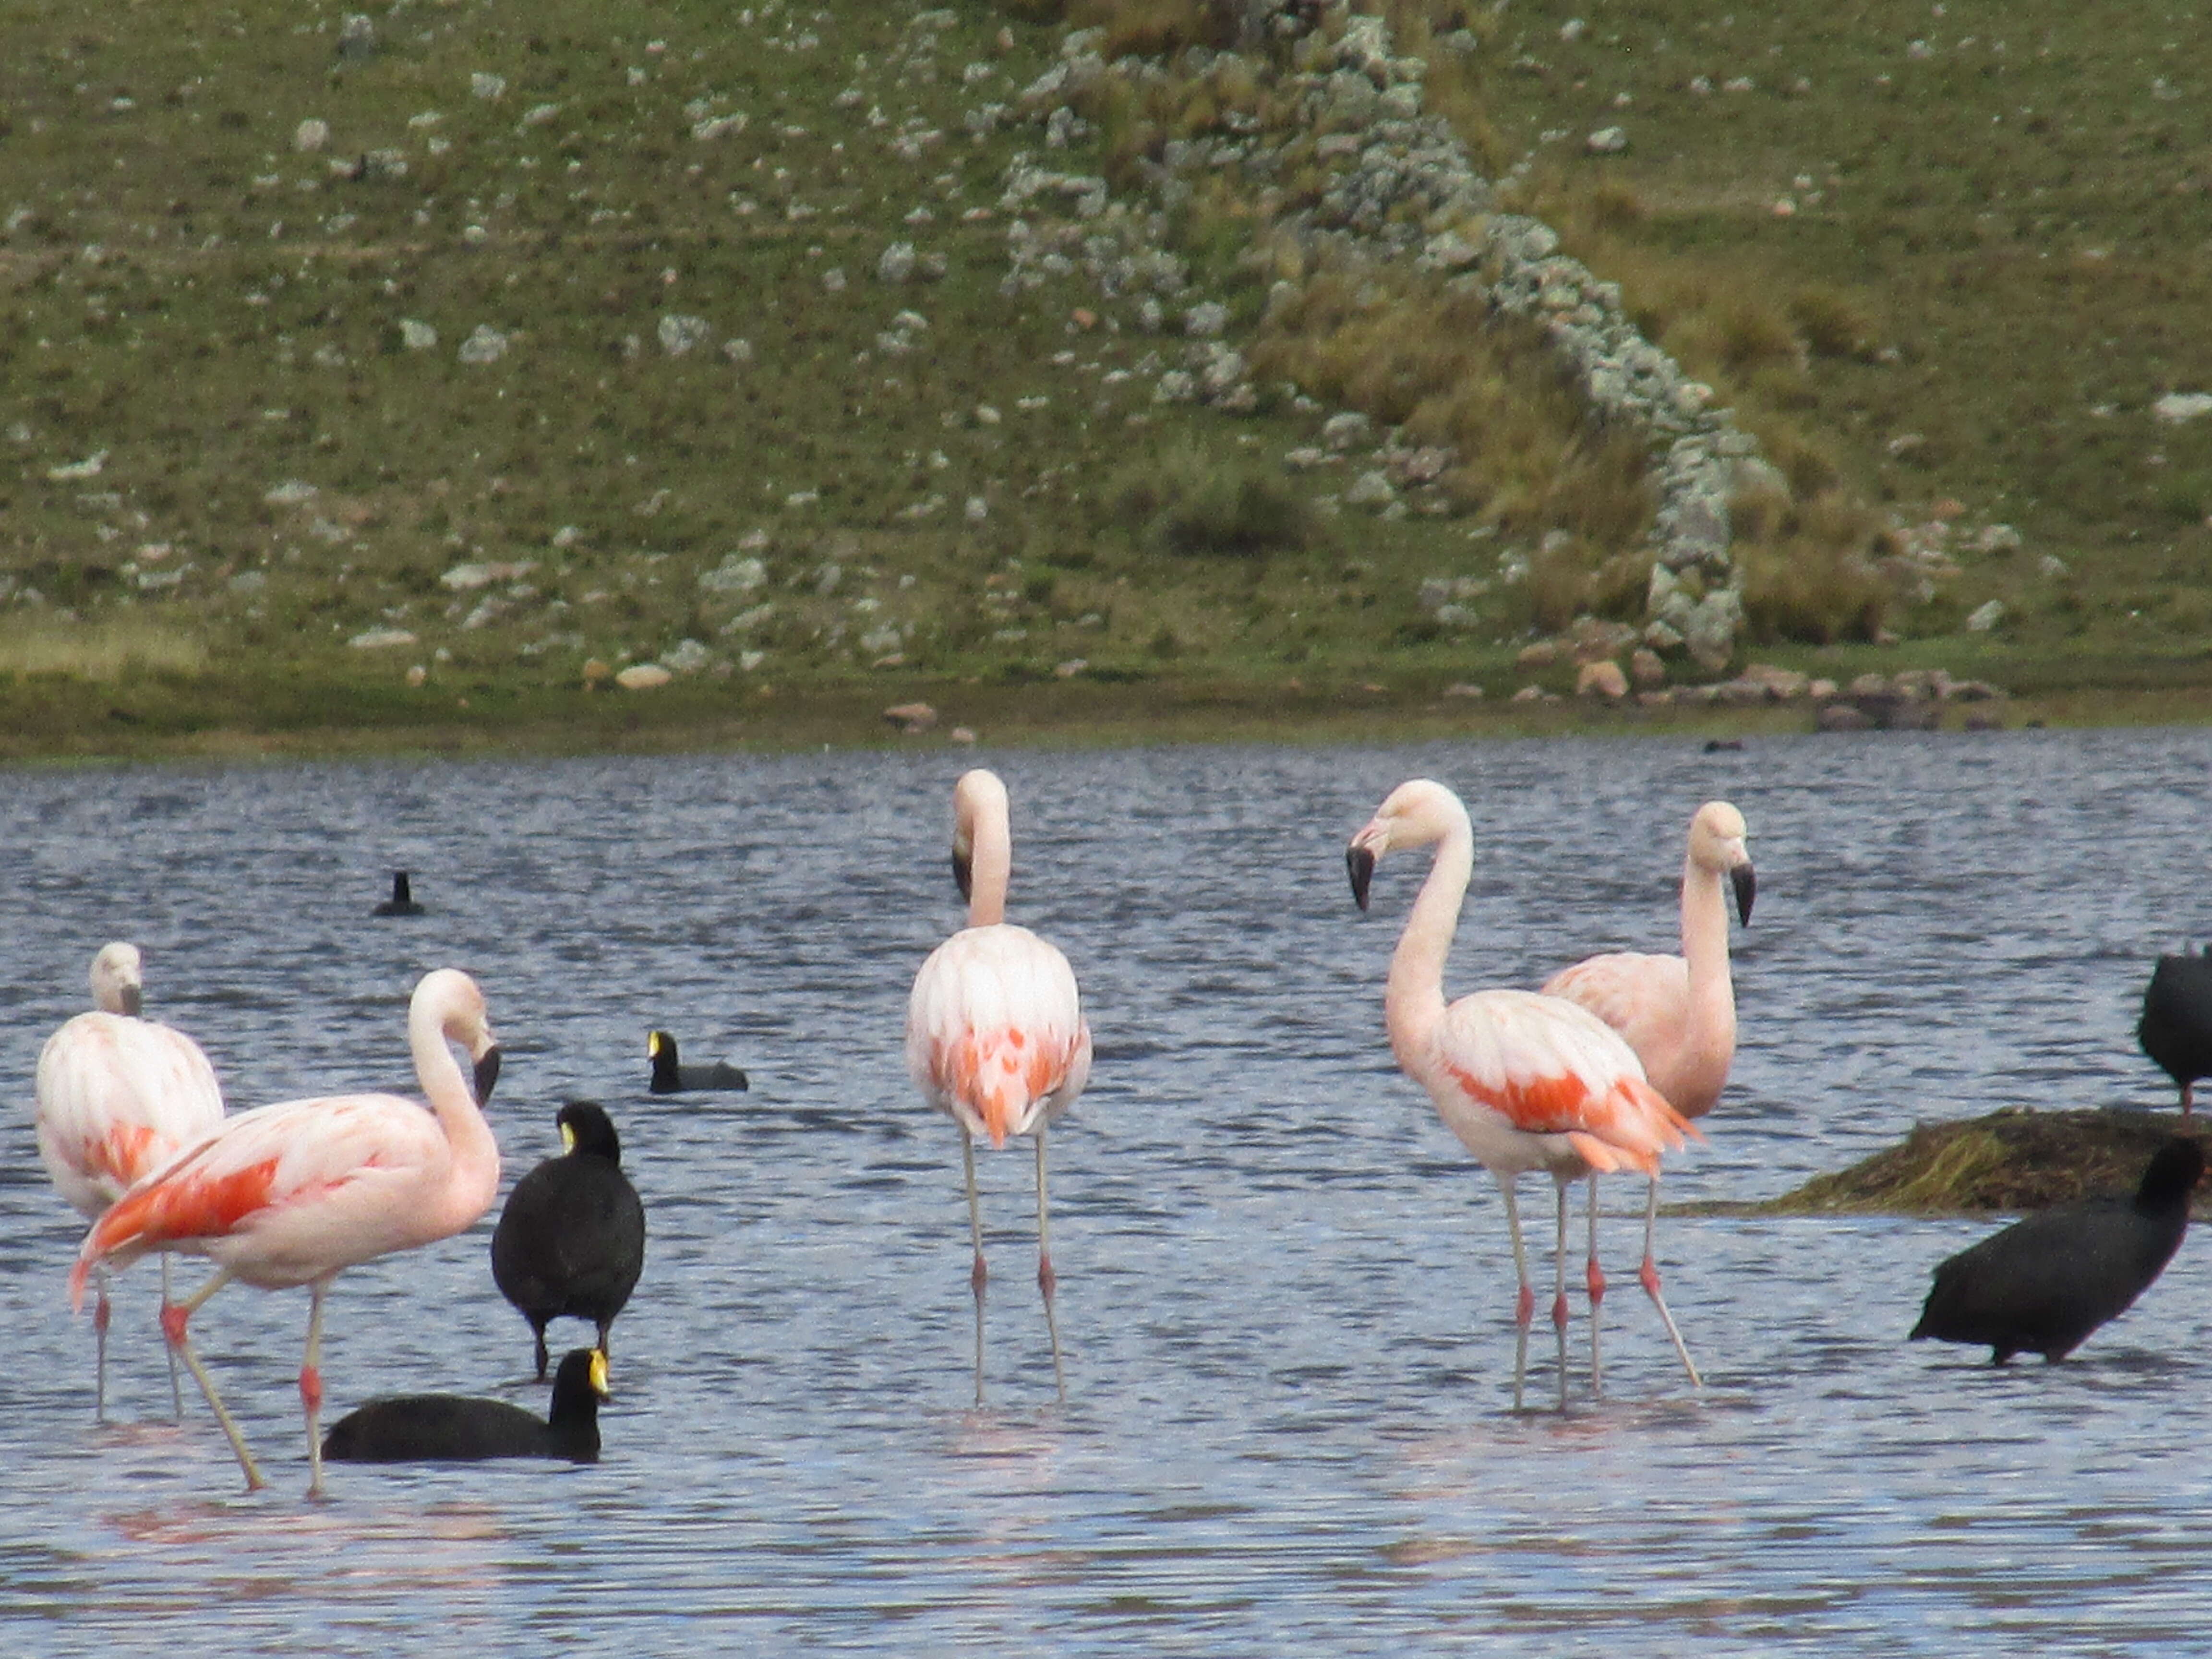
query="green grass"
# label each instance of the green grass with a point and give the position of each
(219, 317)
(1992, 269)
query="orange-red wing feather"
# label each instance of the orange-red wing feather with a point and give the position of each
(995, 1029)
(256, 1166)
(1549, 1067)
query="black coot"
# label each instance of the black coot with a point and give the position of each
(2176, 1028)
(672, 1077)
(2044, 1282)
(424, 1428)
(571, 1241)
(402, 902)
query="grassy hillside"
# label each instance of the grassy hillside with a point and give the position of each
(1953, 253)
(537, 340)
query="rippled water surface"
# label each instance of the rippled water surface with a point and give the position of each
(1287, 1292)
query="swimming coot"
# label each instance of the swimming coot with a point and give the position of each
(672, 1077)
(571, 1241)
(2044, 1282)
(402, 902)
(432, 1428)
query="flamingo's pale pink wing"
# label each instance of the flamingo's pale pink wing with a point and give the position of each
(995, 1030)
(117, 1098)
(1644, 997)
(1548, 1066)
(262, 1165)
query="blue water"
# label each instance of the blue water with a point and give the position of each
(1287, 1291)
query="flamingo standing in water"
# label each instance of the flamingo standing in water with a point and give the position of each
(1526, 1081)
(1677, 1012)
(117, 1097)
(996, 1038)
(291, 1193)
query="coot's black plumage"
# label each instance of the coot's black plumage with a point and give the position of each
(428, 1428)
(402, 902)
(2044, 1282)
(2176, 1028)
(571, 1241)
(672, 1077)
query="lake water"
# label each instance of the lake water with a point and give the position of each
(1287, 1291)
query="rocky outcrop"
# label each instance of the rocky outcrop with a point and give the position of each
(1400, 185)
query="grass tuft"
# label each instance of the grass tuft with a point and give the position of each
(103, 650)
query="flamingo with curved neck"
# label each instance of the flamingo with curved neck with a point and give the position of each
(1526, 1082)
(117, 1097)
(1677, 1012)
(292, 1193)
(995, 1036)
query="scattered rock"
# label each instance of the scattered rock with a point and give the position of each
(89, 467)
(911, 718)
(897, 264)
(1602, 678)
(1985, 617)
(1371, 489)
(1773, 684)
(486, 345)
(643, 677)
(1843, 717)
(2176, 407)
(1346, 430)
(679, 334)
(1606, 141)
(379, 638)
(310, 135)
(467, 578)
(1647, 670)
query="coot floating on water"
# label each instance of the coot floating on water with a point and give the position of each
(2046, 1282)
(672, 1077)
(431, 1428)
(402, 902)
(2176, 1028)
(571, 1241)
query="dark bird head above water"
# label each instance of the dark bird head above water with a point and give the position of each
(583, 1374)
(2174, 1172)
(402, 902)
(670, 1076)
(586, 1129)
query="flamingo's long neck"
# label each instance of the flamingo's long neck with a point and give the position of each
(1414, 1001)
(1709, 1039)
(472, 1176)
(990, 865)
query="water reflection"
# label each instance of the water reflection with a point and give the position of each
(1284, 1286)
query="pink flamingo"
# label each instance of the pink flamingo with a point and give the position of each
(118, 1096)
(1677, 1012)
(1525, 1082)
(996, 1038)
(289, 1195)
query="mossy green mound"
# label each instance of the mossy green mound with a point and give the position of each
(2011, 1161)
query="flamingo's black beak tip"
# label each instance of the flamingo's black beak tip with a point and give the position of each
(1360, 863)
